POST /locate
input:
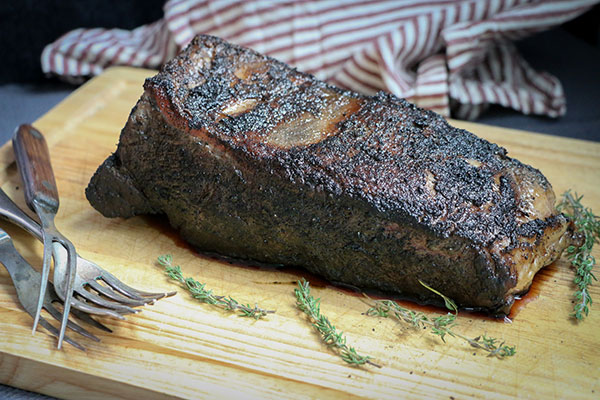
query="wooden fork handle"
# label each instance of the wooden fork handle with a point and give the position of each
(33, 160)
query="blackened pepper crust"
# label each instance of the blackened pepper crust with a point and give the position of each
(251, 158)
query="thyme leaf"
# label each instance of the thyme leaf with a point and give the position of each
(449, 303)
(329, 334)
(441, 326)
(582, 260)
(200, 292)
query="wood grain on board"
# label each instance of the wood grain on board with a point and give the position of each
(182, 349)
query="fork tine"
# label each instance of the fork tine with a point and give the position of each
(47, 253)
(27, 282)
(89, 320)
(53, 297)
(117, 296)
(105, 303)
(90, 309)
(55, 332)
(71, 273)
(131, 292)
(70, 324)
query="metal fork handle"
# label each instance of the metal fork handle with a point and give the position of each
(13, 213)
(33, 160)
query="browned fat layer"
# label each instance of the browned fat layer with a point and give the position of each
(474, 163)
(536, 200)
(536, 252)
(245, 71)
(430, 182)
(166, 106)
(238, 107)
(168, 110)
(308, 128)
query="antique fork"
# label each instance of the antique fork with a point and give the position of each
(27, 283)
(88, 273)
(41, 194)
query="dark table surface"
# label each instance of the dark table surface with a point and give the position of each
(575, 62)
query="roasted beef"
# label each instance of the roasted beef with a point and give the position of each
(250, 158)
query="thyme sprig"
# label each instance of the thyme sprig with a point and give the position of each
(588, 225)
(441, 326)
(330, 335)
(199, 291)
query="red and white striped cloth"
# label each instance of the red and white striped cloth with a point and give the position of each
(435, 53)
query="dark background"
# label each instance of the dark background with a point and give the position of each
(26, 26)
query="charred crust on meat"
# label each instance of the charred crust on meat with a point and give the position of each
(113, 188)
(250, 158)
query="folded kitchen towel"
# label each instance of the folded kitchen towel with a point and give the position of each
(446, 55)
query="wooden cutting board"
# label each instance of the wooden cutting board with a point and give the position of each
(183, 349)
